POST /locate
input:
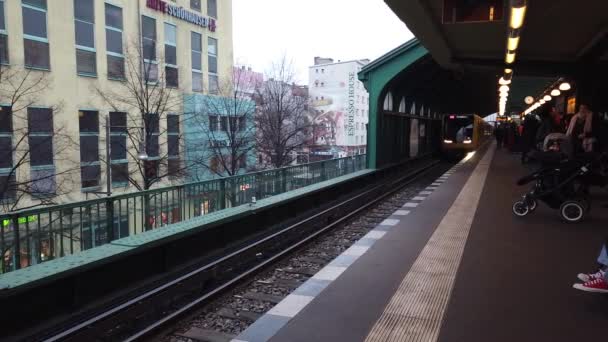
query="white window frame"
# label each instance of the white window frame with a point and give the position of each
(36, 38)
(174, 66)
(86, 48)
(194, 70)
(5, 32)
(112, 28)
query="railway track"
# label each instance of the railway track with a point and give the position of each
(156, 310)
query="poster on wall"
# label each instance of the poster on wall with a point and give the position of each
(560, 104)
(571, 105)
(414, 134)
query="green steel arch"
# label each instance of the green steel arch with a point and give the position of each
(376, 76)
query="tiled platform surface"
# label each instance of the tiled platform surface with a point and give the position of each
(511, 281)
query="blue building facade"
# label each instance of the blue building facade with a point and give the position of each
(207, 132)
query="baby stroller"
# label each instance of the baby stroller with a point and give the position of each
(562, 182)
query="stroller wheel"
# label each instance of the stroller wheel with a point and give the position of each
(532, 204)
(572, 211)
(521, 209)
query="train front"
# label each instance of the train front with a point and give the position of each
(458, 133)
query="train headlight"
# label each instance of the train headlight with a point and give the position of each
(467, 141)
(448, 141)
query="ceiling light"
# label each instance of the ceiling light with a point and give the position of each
(555, 92)
(565, 86)
(547, 98)
(508, 71)
(503, 81)
(504, 88)
(542, 102)
(510, 58)
(517, 16)
(512, 43)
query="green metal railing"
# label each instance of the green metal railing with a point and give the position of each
(52, 232)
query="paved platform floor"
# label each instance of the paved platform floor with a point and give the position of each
(455, 265)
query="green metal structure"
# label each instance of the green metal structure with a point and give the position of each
(33, 236)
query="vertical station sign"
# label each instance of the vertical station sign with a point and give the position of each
(350, 120)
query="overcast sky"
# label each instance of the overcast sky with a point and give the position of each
(265, 30)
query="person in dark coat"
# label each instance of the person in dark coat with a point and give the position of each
(528, 136)
(499, 133)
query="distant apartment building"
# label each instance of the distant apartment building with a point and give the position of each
(341, 106)
(246, 80)
(81, 47)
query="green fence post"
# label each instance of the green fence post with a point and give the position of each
(222, 197)
(17, 244)
(109, 220)
(323, 172)
(283, 180)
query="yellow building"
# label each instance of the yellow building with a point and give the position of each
(82, 63)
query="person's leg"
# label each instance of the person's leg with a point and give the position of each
(602, 259)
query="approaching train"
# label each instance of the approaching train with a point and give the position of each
(463, 133)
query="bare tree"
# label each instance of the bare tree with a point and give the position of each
(283, 120)
(29, 132)
(225, 126)
(148, 99)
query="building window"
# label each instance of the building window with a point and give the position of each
(322, 71)
(224, 123)
(40, 139)
(242, 123)
(212, 60)
(173, 162)
(84, 23)
(215, 164)
(152, 133)
(322, 84)
(242, 162)
(171, 74)
(148, 36)
(118, 148)
(195, 5)
(212, 8)
(196, 41)
(90, 169)
(114, 49)
(3, 37)
(7, 176)
(35, 39)
(213, 121)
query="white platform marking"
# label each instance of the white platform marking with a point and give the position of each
(416, 310)
(410, 205)
(389, 222)
(426, 192)
(330, 272)
(290, 305)
(419, 198)
(355, 251)
(401, 212)
(375, 234)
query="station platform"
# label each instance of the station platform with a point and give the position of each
(454, 264)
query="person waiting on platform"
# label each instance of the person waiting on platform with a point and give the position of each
(551, 123)
(581, 130)
(598, 281)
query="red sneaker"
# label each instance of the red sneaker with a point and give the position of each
(585, 277)
(598, 285)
